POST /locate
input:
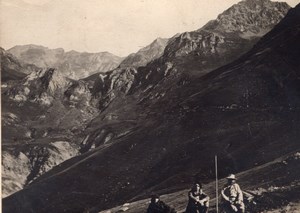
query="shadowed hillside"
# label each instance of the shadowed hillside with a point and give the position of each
(166, 135)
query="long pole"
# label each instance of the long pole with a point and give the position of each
(217, 196)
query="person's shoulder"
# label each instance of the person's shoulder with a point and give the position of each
(226, 186)
(190, 192)
(236, 185)
(161, 203)
(204, 195)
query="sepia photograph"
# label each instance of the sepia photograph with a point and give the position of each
(150, 106)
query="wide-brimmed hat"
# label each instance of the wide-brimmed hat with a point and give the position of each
(231, 177)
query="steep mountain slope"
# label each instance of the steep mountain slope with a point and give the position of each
(22, 164)
(166, 135)
(11, 68)
(224, 39)
(38, 112)
(146, 54)
(196, 53)
(72, 64)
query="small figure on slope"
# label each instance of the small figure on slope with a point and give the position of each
(198, 200)
(232, 197)
(158, 206)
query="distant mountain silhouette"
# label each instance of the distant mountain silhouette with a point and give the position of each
(12, 68)
(146, 54)
(72, 64)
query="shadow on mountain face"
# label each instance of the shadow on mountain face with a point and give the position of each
(12, 69)
(245, 112)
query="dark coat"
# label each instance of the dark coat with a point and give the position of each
(159, 207)
(193, 206)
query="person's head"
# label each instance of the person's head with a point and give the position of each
(231, 179)
(154, 198)
(197, 187)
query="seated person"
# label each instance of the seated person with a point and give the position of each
(198, 200)
(158, 206)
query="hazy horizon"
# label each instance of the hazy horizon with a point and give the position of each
(120, 27)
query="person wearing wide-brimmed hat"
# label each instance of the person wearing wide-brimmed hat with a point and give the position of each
(232, 196)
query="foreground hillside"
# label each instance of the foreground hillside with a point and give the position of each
(262, 192)
(165, 136)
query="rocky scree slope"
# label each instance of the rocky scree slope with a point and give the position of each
(245, 112)
(71, 64)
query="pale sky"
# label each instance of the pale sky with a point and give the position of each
(117, 26)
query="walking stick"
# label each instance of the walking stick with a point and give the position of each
(217, 197)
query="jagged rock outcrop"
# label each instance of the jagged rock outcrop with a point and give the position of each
(146, 54)
(78, 94)
(222, 40)
(21, 167)
(41, 86)
(249, 18)
(193, 54)
(71, 64)
(41, 108)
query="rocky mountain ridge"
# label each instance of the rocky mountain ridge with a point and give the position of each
(167, 119)
(12, 68)
(196, 53)
(146, 54)
(71, 64)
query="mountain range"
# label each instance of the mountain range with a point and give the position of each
(72, 64)
(155, 126)
(12, 68)
(146, 54)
